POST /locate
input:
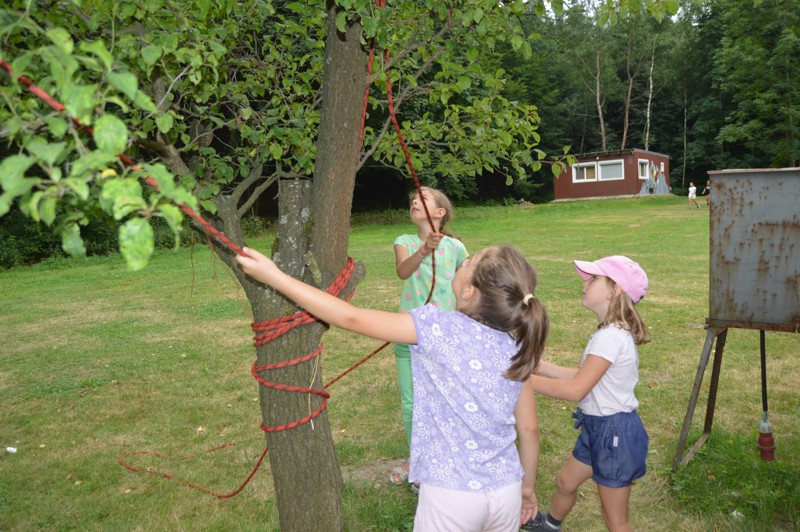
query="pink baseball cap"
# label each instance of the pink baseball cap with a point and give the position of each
(622, 270)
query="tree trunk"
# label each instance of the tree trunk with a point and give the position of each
(685, 134)
(311, 245)
(599, 103)
(649, 99)
(628, 91)
(337, 146)
(305, 469)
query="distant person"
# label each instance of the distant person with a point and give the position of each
(693, 196)
(415, 267)
(612, 445)
(707, 192)
(472, 396)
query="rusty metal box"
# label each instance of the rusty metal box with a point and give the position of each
(754, 278)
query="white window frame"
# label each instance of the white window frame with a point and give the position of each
(601, 164)
(646, 175)
(577, 167)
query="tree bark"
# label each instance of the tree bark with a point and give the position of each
(304, 463)
(650, 86)
(598, 99)
(685, 134)
(311, 245)
(337, 146)
(305, 469)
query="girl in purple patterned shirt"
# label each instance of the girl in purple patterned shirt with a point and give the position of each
(472, 399)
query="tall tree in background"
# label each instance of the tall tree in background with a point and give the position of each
(756, 68)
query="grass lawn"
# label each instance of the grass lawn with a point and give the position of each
(97, 362)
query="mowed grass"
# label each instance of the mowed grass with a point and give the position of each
(97, 362)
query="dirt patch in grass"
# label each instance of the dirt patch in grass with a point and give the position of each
(374, 473)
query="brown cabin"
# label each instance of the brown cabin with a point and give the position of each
(629, 172)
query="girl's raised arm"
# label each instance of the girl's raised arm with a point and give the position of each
(578, 386)
(552, 371)
(387, 326)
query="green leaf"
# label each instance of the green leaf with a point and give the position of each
(121, 197)
(163, 178)
(209, 206)
(47, 209)
(164, 122)
(136, 242)
(151, 54)
(464, 83)
(12, 170)
(71, 241)
(99, 49)
(79, 101)
(125, 82)
(5, 203)
(173, 217)
(110, 134)
(90, 162)
(276, 151)
(341, 21)
(47, 153)
(61, 38)
(57, 125)
(143, 101)
(78, 186)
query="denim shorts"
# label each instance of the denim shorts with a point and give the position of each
(614, 446)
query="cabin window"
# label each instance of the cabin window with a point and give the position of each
(583, 172)
(644, 169)
(611, 170)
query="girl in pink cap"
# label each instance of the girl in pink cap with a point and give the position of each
(612, 446)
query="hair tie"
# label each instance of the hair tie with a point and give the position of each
(527, 299)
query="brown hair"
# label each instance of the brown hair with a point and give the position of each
(622, 312)
(441, 201)
(504, 278)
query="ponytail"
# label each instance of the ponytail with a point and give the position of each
(532, 326)
(507, 284)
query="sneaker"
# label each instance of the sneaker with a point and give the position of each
(539, 523)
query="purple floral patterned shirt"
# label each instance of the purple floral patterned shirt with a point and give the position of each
(463, 429)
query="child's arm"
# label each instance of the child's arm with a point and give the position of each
(552, 371)
(576, 388)
(527, 426)
(407, 264)
(388, 326)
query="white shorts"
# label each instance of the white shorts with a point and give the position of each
(442, 509)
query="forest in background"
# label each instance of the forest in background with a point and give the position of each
(715, 86)
(712, 86)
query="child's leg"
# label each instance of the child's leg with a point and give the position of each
(615, 507)
(568, 480)
(403, 358)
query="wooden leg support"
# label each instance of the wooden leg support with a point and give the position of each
(719, 334)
